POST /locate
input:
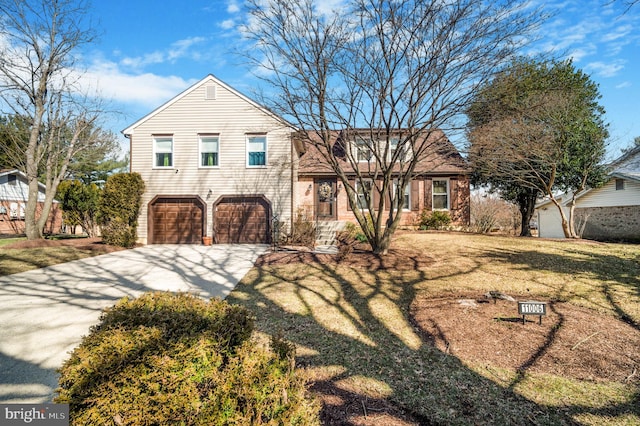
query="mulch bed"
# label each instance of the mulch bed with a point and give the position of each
(397, 259)
(571, 342)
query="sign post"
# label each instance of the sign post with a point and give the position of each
(532, 308)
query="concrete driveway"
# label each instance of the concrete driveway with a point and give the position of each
(44, 313)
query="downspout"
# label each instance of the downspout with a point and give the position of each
(294, 180)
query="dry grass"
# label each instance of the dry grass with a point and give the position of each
(20, 255)
(371, 364)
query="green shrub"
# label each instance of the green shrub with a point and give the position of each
(119, 208)
(117, 233)
(79, 202)
(434, 219)
(175, 359)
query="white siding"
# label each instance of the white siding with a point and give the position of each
(232, 117)
(18, 190)
(549, 223)
(607, 196)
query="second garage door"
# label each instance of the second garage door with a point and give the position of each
(176, 220)
(242, 220)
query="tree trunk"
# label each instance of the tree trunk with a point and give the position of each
(31, 229)
(30, 215)
(526, 205)
(567, 227)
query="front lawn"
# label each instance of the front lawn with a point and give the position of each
(409, 339)
(20, 255)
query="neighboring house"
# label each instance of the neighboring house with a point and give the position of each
(215, 163)
(440, 182)
(608, 213)
(14, 192)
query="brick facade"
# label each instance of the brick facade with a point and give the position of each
(12, 218)
(611, 223)
(459, 200)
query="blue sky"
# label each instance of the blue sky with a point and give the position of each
(150, 51)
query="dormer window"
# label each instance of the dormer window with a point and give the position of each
(363, 152)
(394, 145)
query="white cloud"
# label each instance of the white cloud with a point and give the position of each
(584, 31)
(624, 85)
(606, 69)
(177, 50)
(617, 33)
(326, 7)
(227, 24)
(147, 89)
(232, 7)
(582, 52)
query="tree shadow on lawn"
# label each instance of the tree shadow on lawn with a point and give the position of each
(618, 277)
(357, 343)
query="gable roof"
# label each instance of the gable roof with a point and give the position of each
(627, 166)
(209, 78)
(5, 172)
(442, 159)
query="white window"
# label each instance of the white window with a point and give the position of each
(393, 147)
(405, 201)
(440, 194)
(363, 191)
(256, 150)
(209, 150)
(163, 151)
(16, 211)
(363, 151)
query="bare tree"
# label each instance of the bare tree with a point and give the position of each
(39, 41)
(389, 74)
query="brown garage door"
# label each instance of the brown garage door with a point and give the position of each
(176, 220)
(242, 220)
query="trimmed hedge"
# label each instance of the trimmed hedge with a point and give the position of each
(175, 359)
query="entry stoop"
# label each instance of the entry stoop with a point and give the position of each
(326, 232)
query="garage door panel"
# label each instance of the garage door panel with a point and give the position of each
(242, 220)
(176, 221)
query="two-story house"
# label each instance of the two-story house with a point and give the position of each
(439, 182)
(215, 163)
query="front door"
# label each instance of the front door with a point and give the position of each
(325, 194)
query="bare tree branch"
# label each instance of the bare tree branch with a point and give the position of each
(380, 71)
(40, 40)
